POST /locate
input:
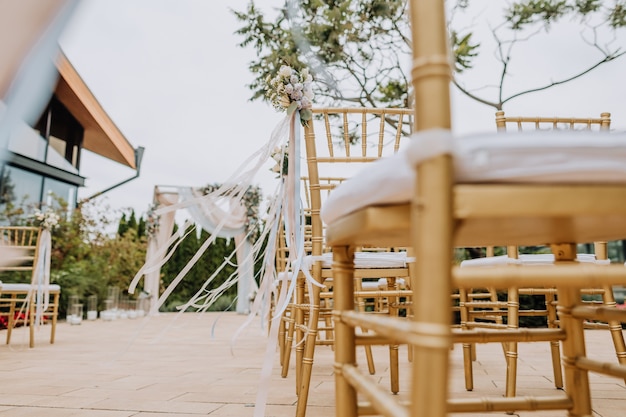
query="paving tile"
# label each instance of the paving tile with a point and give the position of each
(187, 365)
(36, 412)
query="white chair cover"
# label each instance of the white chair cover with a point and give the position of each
(536, 157)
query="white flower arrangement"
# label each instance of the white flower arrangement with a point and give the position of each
(152, 221)
(280, 156)
(291, 90)
(47, 219)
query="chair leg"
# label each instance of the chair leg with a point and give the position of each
(282, 335)
(55, 314)
(432, 284)
(282, 324)
(288, 324)
(11, 319)
(394, 361)
(555, 349)
(615, 327)
(31, 320)
(431, 360)
(511, 347)
(360, 305)
(309, 352)
(468, 348)
(576, 379)
(299, 324)
(328, 321)
(345, 348)
(369, 356)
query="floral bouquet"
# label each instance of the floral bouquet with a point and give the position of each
(47, 219)
(152, 221)
(291, 91)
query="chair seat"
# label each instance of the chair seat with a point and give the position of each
(368, 260)
(552, 166)
(6, 287)
(381, 284)
(543, 157)
(529, 259)
(362, 260)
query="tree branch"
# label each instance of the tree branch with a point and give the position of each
(555, 83)
(462, 89)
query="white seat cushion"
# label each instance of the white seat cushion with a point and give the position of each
(370, 285)
(400, 283)
(368, 260)
(371, 186)
(529, 259)
(7, 287)
(537, 157)
(362, 260)
(381, 284)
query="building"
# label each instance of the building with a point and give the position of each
(42, 162)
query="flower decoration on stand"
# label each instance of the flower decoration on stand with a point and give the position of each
(47, 219)
(291, 90)
(281, 157)
(152, 221)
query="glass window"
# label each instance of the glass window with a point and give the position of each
(54, 189)
(64, 136)
(56, 155)
(20, 188)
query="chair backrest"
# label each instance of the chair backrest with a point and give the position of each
(350, 137)
(522, 124)
(21, 244)
(504, 123)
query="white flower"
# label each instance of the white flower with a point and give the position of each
(296, 95)
(285, 71)
(289, 89)
(46, 219)
(152, 221)
(277, 155)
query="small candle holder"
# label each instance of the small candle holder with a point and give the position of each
(77, 314)
(132, 309)
(113, 294)
(92, 307)
(108, 314)
(71, 301)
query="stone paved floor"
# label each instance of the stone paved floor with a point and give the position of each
(185, 365)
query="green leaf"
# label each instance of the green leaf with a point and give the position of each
(292, 107)
(306, 114)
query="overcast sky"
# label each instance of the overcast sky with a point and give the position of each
(171, 76)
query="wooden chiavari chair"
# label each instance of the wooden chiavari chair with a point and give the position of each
(350, 139)
(489, 313)
(22, 298)
(462, 197)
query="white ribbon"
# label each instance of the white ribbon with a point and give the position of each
(41, 276)
(286, 202)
